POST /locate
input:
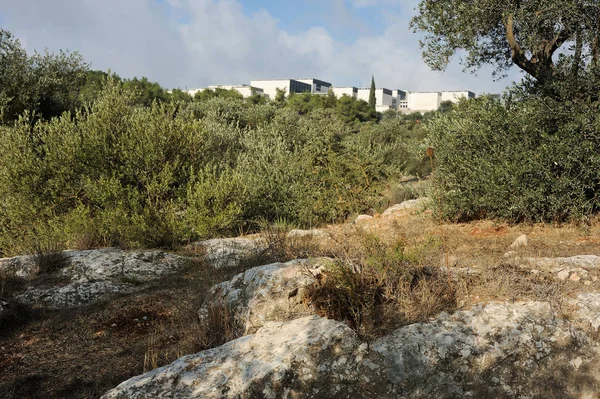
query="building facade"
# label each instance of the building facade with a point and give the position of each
(317, 86)
(345, 91)
(270, 86)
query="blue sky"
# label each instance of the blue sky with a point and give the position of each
(194, 43)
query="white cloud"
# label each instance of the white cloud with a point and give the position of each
(193, 43)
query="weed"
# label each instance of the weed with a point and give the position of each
(49, 258)
(379, 287)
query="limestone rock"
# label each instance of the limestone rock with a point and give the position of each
(310, 357)
(501, 350)
(590, 262)
(588, 309)
(74, 294)
(266, 293)
(406, 205)
(520, 242)
(112, 263)
(228, 252)
(495, 351)
(94, 275)
(361, 218)
(21, 266)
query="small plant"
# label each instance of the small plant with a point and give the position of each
(381, 287)
(49, 259)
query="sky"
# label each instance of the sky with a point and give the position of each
(195, 43)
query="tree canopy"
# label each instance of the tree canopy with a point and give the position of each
(526, 33)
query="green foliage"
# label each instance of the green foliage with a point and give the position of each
(525, 33)
(372, 97)
(45, 84)
(529, 158)
(145, 92)
(120, 174)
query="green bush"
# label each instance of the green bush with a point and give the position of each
(119, 174)
(535, 159)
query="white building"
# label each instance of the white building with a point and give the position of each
(431, 101)
(244, 90)
(383, 98)
(317, 86)
(270, 86)
(455, 96)
(424, 101)
(345, 91)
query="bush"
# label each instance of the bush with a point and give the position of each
(118, 174)
(380, 287)
(535, 159)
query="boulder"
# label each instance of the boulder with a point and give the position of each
(406, 205)
(74, 294)
(590, 262)
(271, 292)
(93, 275)
(310, 357)
(229, 252)
(501, 350)
(520, 242)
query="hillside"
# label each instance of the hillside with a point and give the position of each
(103, 316)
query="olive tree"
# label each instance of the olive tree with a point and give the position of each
(525, 33)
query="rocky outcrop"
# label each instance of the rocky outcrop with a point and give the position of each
(496, 351)
(93, 275)
(308, 357)
(406, 205)
(272, 292)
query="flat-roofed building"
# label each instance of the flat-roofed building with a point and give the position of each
(244, 90)
(455, 96)
(424, 101)
(270, 86)
(383, 97)
(349, 91)
(317, 86)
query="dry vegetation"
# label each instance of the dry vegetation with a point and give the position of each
(386, 272)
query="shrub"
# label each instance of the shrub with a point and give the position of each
(380, 287)
(535, 159)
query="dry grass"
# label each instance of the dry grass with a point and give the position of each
(377, 286)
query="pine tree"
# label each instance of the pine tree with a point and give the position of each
(372, 100)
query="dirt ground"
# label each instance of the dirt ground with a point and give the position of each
(82, 353)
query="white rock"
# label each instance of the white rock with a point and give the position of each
(228, 252)
(580, 261)
(267, 293)
(406, 205)
(282, 359)
(520, 242)
(361, 218)
(74, 294)
(575, 277)
(498, 350)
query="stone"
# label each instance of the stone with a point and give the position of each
(520, 242)
(406, 205)
(74, 294)
(563, 274)
(94, 275)
(575, 277)
(361, 218)
(228, 252)
(271, 292)
(588, 262)
(496, 350)
(307, 357)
